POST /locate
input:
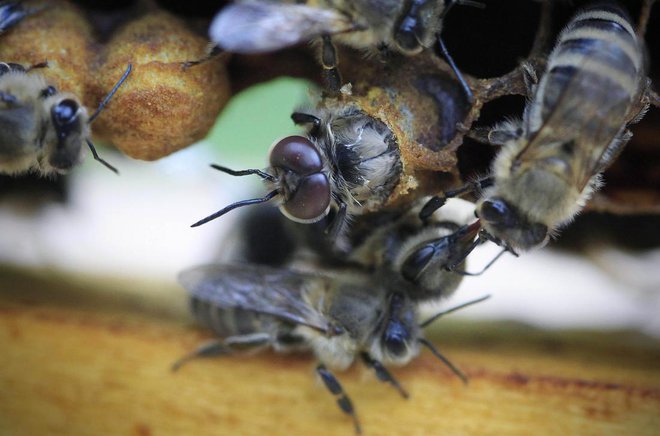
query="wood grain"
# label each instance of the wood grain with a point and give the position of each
(93, 355)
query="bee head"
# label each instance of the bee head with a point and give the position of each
(504, 222)
(69, 122)
(428, 260)
(304, 187)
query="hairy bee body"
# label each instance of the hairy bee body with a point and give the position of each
(260, 26)
(390, 24)
(41, 128)
(572, 129)
(361, 157)
(336, 316)
(421, 253)
(31, 138)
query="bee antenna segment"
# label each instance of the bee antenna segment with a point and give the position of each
(98, 158)
(247, 172)
(112, 92)
(236, 205)
(444, 360)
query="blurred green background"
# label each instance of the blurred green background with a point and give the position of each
(257, 117)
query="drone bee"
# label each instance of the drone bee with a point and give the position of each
(348, 159)
(339, 317)
(407, 27)
(11, 13)
(572, 130)
(42, 128)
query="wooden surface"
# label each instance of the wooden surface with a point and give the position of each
(93, 356)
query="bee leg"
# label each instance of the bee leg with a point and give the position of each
(644, 15)
(344, 403)
(530, 77)
(43, 64)
(613, 151)
(383, 374)
(654, 98)
(334, 229)
(504, 132)
(437, 201)
(212, 51)
(442, 52)
(230, 344)
(331, 76)
(208, 349)
(543, 37)
(300, 118)
(479, 134)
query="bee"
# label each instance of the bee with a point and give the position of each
(339, 317)
(11, 13)
(43, 129)
(427, 255)
(347, 159)
(406, 27)
(572, 129)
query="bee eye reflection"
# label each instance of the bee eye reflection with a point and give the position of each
(296, 154)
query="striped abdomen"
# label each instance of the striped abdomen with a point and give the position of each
(601, 46)
(229, 321)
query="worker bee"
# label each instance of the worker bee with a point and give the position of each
(347, 159)
(43, 129)
(339, 317)
(573, 128)
(427, 255)
(11, 13)
(406, 27)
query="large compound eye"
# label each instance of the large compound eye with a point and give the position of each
(65, 112)
(497, 211)
(311, 200)
(296, 154)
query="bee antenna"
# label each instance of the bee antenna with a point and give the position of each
(238, 204)
(107, 98)
(98, 158)
(453, 309)
(444, 360)
(247, 172)
(488, 265)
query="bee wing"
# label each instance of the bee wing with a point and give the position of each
(587, 114)
(277, 292)
(260, 27)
